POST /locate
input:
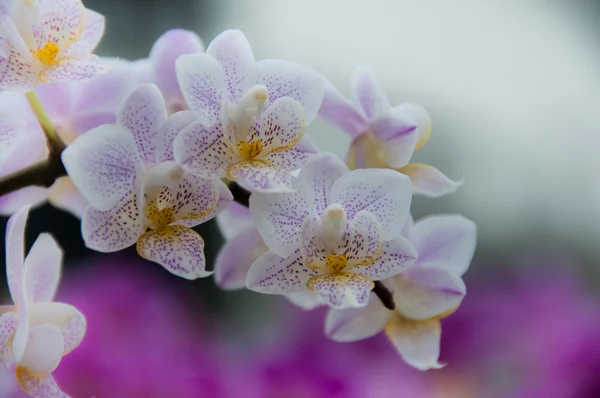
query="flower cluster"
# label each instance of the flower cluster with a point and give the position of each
(145, 151)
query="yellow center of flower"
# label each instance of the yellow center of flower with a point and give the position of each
(249, 151)
(158, 218)
(336, 263)
(47, 54)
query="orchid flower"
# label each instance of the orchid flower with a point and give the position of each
(335, 235)
(384, 136)
(243, 246)
(36, 332)
(252, 116)
(74, 108)
(429, 291)
(127, 173)
(47, 41)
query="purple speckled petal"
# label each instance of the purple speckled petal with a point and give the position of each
(234, 219)
(58, 22)
(42, 269)
(15, 255)
(317, 177)
(199, 200)
(289, 79)
(202, 83)
(143, 112)
(65, 196)
(8, 326)
(103, 164)
(170, 46)
(282, 125)
(168, 131)
(337, 110)
(203, 151)
(232, 50)
(17, 71)
(74, 331)
(114, 229)
(448, 239)
(236, 258)
(427, 290)
(429, 181)
(366, 245)
(272, 274)
(368, 93)
(398, 136)
(260, 176)
(342, 290)
(75, 67)
(312, 246)
(355, 324)
(396, 256)
(35, 386)
(177, 248)
(296, 157)
(418, 342)
(92, 33)
(384, 193)
(278, 218)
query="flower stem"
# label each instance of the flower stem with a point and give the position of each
(384, 295)
(55, 143)
(43, 174)
(240, 195)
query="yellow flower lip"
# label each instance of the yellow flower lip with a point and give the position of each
(249, 151)
(47, 54)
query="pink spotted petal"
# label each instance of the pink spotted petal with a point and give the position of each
(368, 93)
(35, 386)
(170, 46)
(233, 52)
(198, 200)
(8, 326)
(234, 219)
(260, 176)
(114, 229)
(312, 245)
(339, 111)
(168, 131)
(202, 83)
(292, 80)
(296, 157)
(15, 255)
(44, 350)
(65, 196)
(282, 125)
(202, 151)
(396, 256)
(42, 269)
(73, 67)
(272, 274)
(74, 331)
(16, 69)
(236, 258)
(366, 243)
(355, 324)
(418, 342)
(177, 248)
(60, 22)
(92, 33)
(142, 113)
(305, 300)
(384, 193)
(429, 181)
(103, 164)
(343, 290)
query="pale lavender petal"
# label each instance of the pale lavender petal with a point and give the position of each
(447, 239)
(278, 218)
(408, 228)
(199, 200)
(15, 254)
(44, 350)
(355, 324)
(170, 46)
(12, 202)
(114, 229)
(75, 67)
(343, 290)
(428, 290)
(384, 193)
(305, 300)
(289, 79)
(202, 83)
(272, 274)
(296, 157)
(177, 248)
(368, 93)
(42, 269)
(92, 33)
(420, 117)
(11, 126)
(236, 258)
(282, 125)
(65, 196)
(232, 50)
(339, 111)
(17, 71)
(398, 137)
(103, 164)
(142, 113)
(35, 386)
(234, 219)
(203, 151)
(8, 326)
(260, 176)
(58, 22)
(429, 181)
(57, 100)
(168, 131)
(418, 342)
(74, 331)
(396, 256)
(317, 178)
